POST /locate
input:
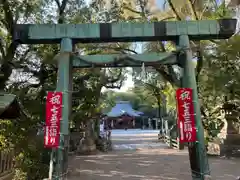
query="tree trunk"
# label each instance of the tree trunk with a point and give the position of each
(97, 128)
(160, 116)
(5, 72)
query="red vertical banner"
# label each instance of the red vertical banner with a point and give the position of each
(186, 121)
(53, 117)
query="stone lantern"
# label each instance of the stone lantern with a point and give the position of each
(231, 142)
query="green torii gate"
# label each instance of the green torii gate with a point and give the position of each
(179, 31)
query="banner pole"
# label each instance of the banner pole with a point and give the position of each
(50, 174)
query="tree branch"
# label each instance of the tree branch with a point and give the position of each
(8, 17)
(167, 18)
(58, 4)
(162, 46)
(124, 49)
(193, 11)
(113, 80)
(130, 9)
(169, 77)
(174, 10)
(2, 49)
(203, 11)
(61, 9)
(83, 78)
(121, 49)
(112, 86)
(199, 63)
(143, 5)
(109, 83)
(23, 57)
(11, 51)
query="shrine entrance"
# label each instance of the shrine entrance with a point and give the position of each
(180, 32)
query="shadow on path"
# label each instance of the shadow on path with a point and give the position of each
(131, 165)
(156, 164)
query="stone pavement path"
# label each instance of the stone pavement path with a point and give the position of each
(135, 139)
(146, 164)
(138, 157)
(138, 146)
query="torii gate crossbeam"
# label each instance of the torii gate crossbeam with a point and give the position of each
(179, 31)
(124, 32)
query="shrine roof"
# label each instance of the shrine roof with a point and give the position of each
(123, 108)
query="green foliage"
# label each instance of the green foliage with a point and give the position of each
(223, 65)
(29, 71)
(146, 98)
(217, 67)
(36, 72)
(31, 157)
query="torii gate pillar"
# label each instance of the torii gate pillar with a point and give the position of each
(64, 84)
(181, 31)
(197, 151)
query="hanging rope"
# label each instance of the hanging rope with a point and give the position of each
(144, 75)
(143, 72)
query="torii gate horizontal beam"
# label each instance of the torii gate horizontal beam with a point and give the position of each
(124, 32)
(124, 60)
